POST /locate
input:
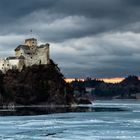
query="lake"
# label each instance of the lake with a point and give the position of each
(103, 120)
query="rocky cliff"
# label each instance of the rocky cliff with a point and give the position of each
(39, 84)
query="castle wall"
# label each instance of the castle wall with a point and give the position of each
(5, 65)
(2, 65)
(41, 56)
(22, 52)
(16, 64)
(19, 53)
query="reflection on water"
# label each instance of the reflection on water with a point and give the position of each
(42, 110)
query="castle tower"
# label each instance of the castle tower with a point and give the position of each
(31, 42)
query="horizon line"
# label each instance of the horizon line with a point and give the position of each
(106, 80)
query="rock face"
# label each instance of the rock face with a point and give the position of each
(84, 101)
(39, 84)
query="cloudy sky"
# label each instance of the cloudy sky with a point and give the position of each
(98, 38)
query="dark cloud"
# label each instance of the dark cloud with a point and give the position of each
(97, 38)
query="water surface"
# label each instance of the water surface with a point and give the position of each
(104, 120)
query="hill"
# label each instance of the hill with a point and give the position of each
(38, 84)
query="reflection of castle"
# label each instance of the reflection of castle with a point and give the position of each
(26, 55)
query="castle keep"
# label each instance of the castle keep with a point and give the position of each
(26, 55)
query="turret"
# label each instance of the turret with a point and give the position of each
(31, 42)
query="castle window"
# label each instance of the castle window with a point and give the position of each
(2, 67)
(31, 57)
(14, 67)
(7, 64)
(3, 64)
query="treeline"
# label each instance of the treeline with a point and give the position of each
(128, 88)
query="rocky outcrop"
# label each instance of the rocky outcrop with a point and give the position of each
(39, 84)
(84, 101)
(83, 98)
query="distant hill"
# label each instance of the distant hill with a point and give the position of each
(130, 80)
(128, 88)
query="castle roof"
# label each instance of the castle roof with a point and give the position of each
(21, 57)
(42, 46)
(24, 47)
(11, 57)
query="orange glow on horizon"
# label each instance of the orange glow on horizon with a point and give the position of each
(112, 80)
(68, 80)
(107, 80)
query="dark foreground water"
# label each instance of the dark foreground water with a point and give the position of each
(104, 120)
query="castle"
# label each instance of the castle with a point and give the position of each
(26, 55)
